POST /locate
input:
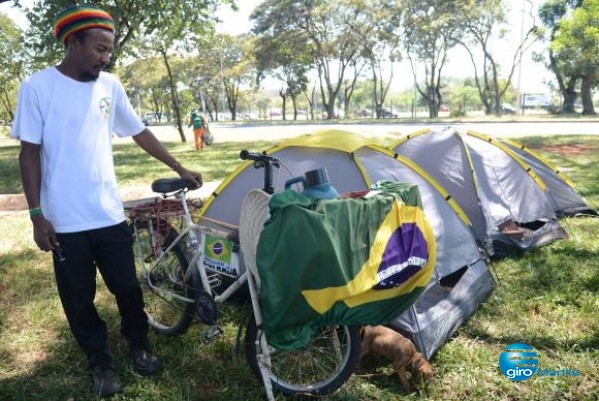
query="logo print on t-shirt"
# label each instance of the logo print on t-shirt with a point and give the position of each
(105, 107)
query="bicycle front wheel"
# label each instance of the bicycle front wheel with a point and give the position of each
(164, 284)
(318, 369)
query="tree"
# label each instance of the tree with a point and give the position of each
(147, 83)
(133, 19)
(378, 29)
(551, 13)
(324, 27)
(462, 96)
(331, 37)
(283, 54)
(481, 20)
(13, 60)
(431, 29)
(203, 74)
(169, 42)
(220, 72)
(237, 67)
(575, 45)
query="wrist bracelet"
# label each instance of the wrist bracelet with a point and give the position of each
(36, 211)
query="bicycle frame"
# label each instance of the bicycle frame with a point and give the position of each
(196, 234)
(264, 359)
(197, 239)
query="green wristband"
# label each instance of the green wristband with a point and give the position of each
(36, 211)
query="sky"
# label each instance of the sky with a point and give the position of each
(530, 76)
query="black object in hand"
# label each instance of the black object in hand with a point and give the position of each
(58, 254)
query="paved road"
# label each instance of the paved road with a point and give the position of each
(245, 132)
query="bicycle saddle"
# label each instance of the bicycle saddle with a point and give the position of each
(166, 185)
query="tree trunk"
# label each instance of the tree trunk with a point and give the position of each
(433, 102)
(283, 95)
(570, 95)
(174, 97)
(294, 105)
(567, 90)
(311, 101)
(586, 95)
(330, 108)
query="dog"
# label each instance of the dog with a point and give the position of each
(390, 344)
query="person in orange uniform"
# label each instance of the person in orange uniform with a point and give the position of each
(199, 129)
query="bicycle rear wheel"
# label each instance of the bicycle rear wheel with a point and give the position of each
(167, 314)
(318, 369)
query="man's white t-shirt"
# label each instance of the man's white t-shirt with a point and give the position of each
(74, 123)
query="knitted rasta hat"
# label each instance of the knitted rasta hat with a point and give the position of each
(78, 18)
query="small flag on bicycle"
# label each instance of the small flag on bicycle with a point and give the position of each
(218, 254)
(341, 261)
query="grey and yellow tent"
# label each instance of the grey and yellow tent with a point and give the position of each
(460, 281)
(511, 207)
(564, 196)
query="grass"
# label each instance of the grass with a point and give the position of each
(548, 298)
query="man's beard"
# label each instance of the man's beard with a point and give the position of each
(88, 77)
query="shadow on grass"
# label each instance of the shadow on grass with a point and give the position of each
(555, 282)
(41, 360)
(190, 370)
(581, 345)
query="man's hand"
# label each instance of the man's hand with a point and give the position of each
(43, 233)
(191, 176)
(148, 142)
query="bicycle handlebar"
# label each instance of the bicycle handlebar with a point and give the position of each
(256, 156)
(262, 160)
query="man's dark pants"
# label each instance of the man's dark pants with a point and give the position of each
(109, 250)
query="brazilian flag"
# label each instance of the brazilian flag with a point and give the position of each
(350, 261)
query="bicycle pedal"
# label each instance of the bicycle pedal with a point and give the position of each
(215, 280)
(212, 333)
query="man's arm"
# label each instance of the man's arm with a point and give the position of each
(31, 177)
(148, 142)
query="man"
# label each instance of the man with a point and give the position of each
(199, 128)
(65, 118)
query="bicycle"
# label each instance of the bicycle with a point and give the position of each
(174, 293)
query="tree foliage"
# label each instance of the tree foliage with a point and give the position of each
(238, 67)
(575, 45)
(281, 53)
(133, 18)
(147, 28)
(484, 24)
(148, 86)
(319, 48)
(552, 12)
(325, 29)
(380, 31)
(13, 64)
(431, 30)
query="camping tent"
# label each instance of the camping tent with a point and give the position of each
(461, 280)
(566, 200)
(507, 202)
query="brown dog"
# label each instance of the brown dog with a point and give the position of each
(388, 343)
